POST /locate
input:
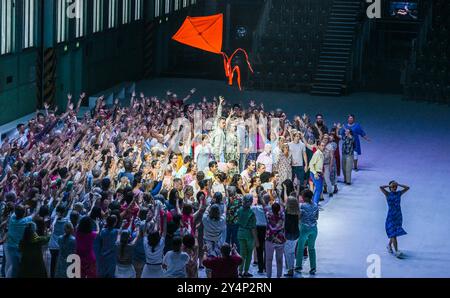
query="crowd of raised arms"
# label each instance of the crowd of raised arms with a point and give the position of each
(117, 194)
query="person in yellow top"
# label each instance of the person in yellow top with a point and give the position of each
(316, 170)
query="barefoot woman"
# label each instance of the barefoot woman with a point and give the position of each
(394, 219)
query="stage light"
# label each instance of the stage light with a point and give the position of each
(241, 32)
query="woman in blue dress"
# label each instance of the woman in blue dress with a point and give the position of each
(394, 219)
(358, 132)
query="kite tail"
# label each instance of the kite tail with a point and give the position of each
(230, 78)
(226, 65)
(246, 58)
(229, 71)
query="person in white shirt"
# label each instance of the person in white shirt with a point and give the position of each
(203, 154)
(20, 136)
(248, 173)
(277, 150)
(299, 159)
(266, 158)
(218, 185)
(154, 245)
(175, 261)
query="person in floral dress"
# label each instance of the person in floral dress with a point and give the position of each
(284, 164)
(275, 239)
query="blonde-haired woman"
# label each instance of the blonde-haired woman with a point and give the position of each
(292, 233)
(284, 164)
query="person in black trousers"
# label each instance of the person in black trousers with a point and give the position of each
(261, 226)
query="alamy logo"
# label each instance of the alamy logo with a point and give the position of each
(374, 269)
(74, 267)
(74, 9)
(374, 9)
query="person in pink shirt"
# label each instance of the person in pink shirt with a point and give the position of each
(85, 237)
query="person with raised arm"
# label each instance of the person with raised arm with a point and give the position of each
(16, 227)
(154, 243)
(357, 132)
(226, 265)
(218, 139)
(394, 218)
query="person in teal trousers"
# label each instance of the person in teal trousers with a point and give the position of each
(309, 214)
(246, 235)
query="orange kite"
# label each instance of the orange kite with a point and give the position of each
(206, 33)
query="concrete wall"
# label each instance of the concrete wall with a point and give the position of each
(17, 85)
(93, 63)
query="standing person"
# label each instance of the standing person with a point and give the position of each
(292, 231)
(299, 159)
(16, 227)
(348, 149)
(32, 261)
(124, 255)
(175, 261)
(232, 145)
(261, 228)
(275, 239)
(284, 165)
(278, 150)
(203, 154)
(218, 185)
(328, 165)
(107, 248)
(58, 226)
(225, 266)
(247, 235)
(248, 174)
(190, 247)
(154, 248)
(233, 206)
(67, 247)
(394, 218)
(214, 227)
(357, 132)
(218, 139)
(201, 200)
(266, 158)
(309, 215)
(319, 128)
(85, 237)
(139, 251)
(337, 154)
(316, 169)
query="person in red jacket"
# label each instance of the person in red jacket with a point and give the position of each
(225, 266)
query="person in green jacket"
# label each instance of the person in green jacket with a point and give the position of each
(246, 235)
